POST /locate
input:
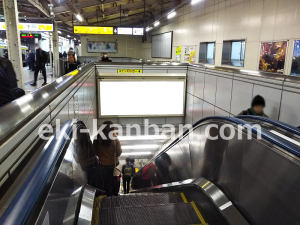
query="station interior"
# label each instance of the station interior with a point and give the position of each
(150, 112)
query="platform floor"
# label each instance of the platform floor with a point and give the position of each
(28, 78)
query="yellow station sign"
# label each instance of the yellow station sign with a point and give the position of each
(93, 30)
(129, 71)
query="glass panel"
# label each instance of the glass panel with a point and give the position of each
(236, 51)
(296, 59)
(202, 52)
(210, 51)
(272, 56)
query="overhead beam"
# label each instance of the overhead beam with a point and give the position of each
(39, 6)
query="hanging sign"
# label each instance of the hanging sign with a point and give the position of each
(31, 26)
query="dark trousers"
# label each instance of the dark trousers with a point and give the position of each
(126, 184)
(36, 72)
(107, 174)
(116, 186)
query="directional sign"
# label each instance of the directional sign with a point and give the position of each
(129, 71)
(93, 30)
(31, 26)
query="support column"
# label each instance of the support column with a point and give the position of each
(55, 48)
(13, 38)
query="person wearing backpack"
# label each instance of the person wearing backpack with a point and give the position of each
(127, 171)
(72, 60)
(41, 59)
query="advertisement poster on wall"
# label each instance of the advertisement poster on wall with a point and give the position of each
(190, 54)
(296, 59)
(272, 56)
(178, 54)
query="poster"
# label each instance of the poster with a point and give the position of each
(190, 54)
(178, 54)
(272, 56)
(296, 59)
(102, 47)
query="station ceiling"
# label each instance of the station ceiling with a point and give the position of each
(94, 12)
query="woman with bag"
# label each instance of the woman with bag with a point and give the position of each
(108, 150)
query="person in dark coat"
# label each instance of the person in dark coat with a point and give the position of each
(65, 55)
(5, 55)
(6, 94)
(31, 59)
(257, 107)
(41, 59)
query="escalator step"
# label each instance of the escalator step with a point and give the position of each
(169, 214)
(138, 200)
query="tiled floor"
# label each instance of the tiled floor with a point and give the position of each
(28, 78)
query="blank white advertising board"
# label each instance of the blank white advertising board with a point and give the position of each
(142, 98)
(162, 45)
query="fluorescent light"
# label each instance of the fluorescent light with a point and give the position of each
(79, 17)
(148, 29)
(59, 31)
(156, 23)
(68, 36)
(136, 153)
(143, 137)
(195, 1)
(74, 38)
(171, 15)
(139, 146)
(285, 137)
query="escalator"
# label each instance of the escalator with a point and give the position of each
(198, 181)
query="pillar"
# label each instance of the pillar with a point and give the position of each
(55, 48)
(13, 38)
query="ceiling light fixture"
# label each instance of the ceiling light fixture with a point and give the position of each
(195, 1)
(171, 15)
(140, 146)
(148, 29)
(68, 36)
(156, 23)
(136, 153)
(143, 137)
(78, 16)
(59, 31)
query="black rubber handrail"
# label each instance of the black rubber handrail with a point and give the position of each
(24, 202)
(282, 125)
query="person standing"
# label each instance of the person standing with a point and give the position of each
(108, 150)
(41, 59)
(127, 171)
(72, 59)
(257, 107)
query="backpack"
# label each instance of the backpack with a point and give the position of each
(71, 58)
(45, 56)
(127, 171)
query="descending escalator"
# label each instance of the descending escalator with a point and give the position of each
(135, 209)
(199, 181)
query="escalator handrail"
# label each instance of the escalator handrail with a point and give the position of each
(23, 109)
(274, 139)
(23, 203)
(282, 125)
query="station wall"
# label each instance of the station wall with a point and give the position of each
(219, 20)
(128, 46)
